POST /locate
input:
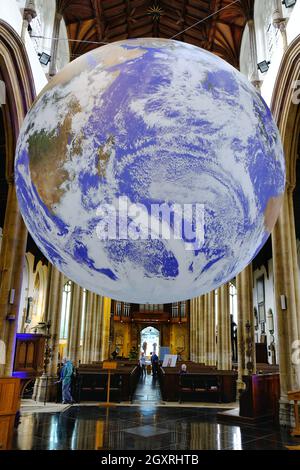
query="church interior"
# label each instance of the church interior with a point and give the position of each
(239, 344)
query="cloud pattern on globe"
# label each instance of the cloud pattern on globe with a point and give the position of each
(155, 121)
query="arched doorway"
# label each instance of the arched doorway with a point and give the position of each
(150, 340)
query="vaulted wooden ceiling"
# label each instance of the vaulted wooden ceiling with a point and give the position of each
(105, 21)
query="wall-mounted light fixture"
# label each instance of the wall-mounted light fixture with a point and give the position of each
(289, 3)
(12, 296)
(270, 321)
(44, 58)
(263, 66)
(283, 302)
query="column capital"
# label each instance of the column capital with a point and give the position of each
(257, 84)
(290, 187)
(29, 11)
(58, 16)
(11, 179)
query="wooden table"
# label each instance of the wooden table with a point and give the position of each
(295, 397)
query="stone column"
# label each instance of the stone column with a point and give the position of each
(200, 327)
(98, 328)
(224, 360)
(196, 328)
(45, 388)
(54, 315)
(211, 340)
(11, 273)
(93, 331)
(280, 22)
(87, 335)
(254, 77)
(205, 329)
(105, 329)
(286, 282)
(209, 329)
(54, 45)
(192, 329)
(74, 329)
(246, 325)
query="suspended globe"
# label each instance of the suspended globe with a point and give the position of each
(149, 170)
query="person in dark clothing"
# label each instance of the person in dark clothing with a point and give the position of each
(154, 362)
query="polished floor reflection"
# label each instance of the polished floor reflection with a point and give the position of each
(147, 390)
(143, 427)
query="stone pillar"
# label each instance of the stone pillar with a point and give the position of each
(209, 329)
(105, 329)
(87, 335)
(254, 77)
(12, 259)
(211, 343)
(192, 329)
(54, 315)
(196, 328)
(45, 388)
(280, 22)
(74, 329)
(197, 336)
(93, 331)
(98, 328)
(286, 282)
(200, 328)
(246, 326)
(205, 329)
(54, 45)
(224, 359)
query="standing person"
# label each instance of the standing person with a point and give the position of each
(66, 378)
(154, 361)
(143, 364)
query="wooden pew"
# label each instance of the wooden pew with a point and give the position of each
(200, 386)
(226, 380)
(92, 384)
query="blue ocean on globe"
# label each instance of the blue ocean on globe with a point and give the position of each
(153, 123)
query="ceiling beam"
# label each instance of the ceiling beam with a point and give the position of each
(100, 19)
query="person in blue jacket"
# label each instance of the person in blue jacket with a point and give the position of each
(66, 374)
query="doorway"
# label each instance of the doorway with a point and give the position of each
(150, 341)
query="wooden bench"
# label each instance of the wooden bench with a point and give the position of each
(200, 386)
(92, 383)
(219, 385)
(295, 397)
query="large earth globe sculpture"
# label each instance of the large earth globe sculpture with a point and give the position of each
(149, 170)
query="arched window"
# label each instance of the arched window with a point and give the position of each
(233, 301)
(65, 310)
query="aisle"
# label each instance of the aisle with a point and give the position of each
(148, 390)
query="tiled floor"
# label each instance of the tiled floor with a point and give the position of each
(145, 426)
(147, 390)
